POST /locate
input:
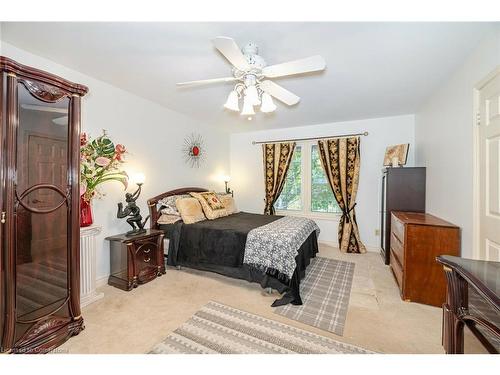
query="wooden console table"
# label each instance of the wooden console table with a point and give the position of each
(472, 299)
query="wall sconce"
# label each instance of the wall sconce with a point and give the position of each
(226, 180)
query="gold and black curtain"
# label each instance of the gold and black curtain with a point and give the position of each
(340, 158)
(277, 158)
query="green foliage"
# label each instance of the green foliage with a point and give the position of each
(103, 146)
(322, 199)
(290, 197)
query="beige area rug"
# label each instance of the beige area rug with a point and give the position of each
(325, 293)
(221, 329)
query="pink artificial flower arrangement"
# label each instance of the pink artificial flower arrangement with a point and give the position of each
(100, 161)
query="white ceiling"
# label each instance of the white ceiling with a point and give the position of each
(373, 69)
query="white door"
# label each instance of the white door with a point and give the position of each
(489, 169)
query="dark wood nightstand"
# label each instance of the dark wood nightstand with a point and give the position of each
(137, 259)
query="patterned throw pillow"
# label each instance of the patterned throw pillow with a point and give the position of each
(190, 210)
(211, 204)
(167, 204)
(228, 202)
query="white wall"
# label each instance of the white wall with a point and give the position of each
(154, 137)
(247, 175)
(444, 138)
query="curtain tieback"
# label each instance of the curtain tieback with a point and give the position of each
(346, 212)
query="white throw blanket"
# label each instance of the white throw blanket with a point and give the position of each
(275, 245)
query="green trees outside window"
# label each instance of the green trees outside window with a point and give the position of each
(291, 195)
(322, 199)
(306, 186)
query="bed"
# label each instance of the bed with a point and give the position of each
(219, 246)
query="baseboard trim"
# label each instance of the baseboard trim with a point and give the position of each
(371, 249)
(101, 281)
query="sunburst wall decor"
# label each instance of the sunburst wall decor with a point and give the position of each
(194, 150)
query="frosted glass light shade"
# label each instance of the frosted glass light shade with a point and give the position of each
(247, 107)
(232, 102)
(139, 178)
(268, 105)
(252, 94)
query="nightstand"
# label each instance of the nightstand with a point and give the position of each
(136, 259)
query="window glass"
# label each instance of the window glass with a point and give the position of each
(291, 195)
(322, 199)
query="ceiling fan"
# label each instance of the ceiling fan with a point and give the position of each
(253, 76)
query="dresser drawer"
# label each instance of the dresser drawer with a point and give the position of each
(398, 229)
(397, 271)
(397, 248)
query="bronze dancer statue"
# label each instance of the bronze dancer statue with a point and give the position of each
(134, 213)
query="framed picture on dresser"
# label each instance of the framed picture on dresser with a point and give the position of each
(396, 155)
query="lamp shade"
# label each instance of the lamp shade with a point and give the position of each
(247, 107)
(226, 178)
(268, 105)
(232, 102)
(139, 178)
(252, 94)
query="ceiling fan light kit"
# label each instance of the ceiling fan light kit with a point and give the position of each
(253, 95)
(247, 107)
(267, 104)
(250, 71)
(232, 102)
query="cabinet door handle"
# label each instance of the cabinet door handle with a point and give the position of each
(3, 218)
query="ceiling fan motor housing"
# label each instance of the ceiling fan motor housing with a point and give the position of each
(251, 53)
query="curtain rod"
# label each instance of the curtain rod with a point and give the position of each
(310, 139)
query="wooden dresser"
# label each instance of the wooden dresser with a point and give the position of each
(416, 240)
(403, 189)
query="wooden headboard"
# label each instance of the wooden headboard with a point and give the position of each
(153, 202)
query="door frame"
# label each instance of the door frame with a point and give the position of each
(476, 185)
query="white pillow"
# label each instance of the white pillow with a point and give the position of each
(168, 219)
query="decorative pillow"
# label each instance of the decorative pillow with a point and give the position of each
(211, 204)
(190, 210)
(167, 204)
(168, 219)
(228, 202)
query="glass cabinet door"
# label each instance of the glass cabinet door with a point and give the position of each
(41, 204)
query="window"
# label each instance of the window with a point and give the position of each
(291, 195)
(322, 199)
(306, 190)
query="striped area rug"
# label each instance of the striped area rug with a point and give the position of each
(221, 329)
(325, 293)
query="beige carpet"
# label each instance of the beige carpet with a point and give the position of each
(220, 329)
(377, 318)
(325, 292)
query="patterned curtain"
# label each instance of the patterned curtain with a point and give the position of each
(340, 160)
(277, 157)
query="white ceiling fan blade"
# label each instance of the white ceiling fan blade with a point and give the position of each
(34, 107)
(207, 81)
(280, 93)
(231, 51)
(307, 65)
